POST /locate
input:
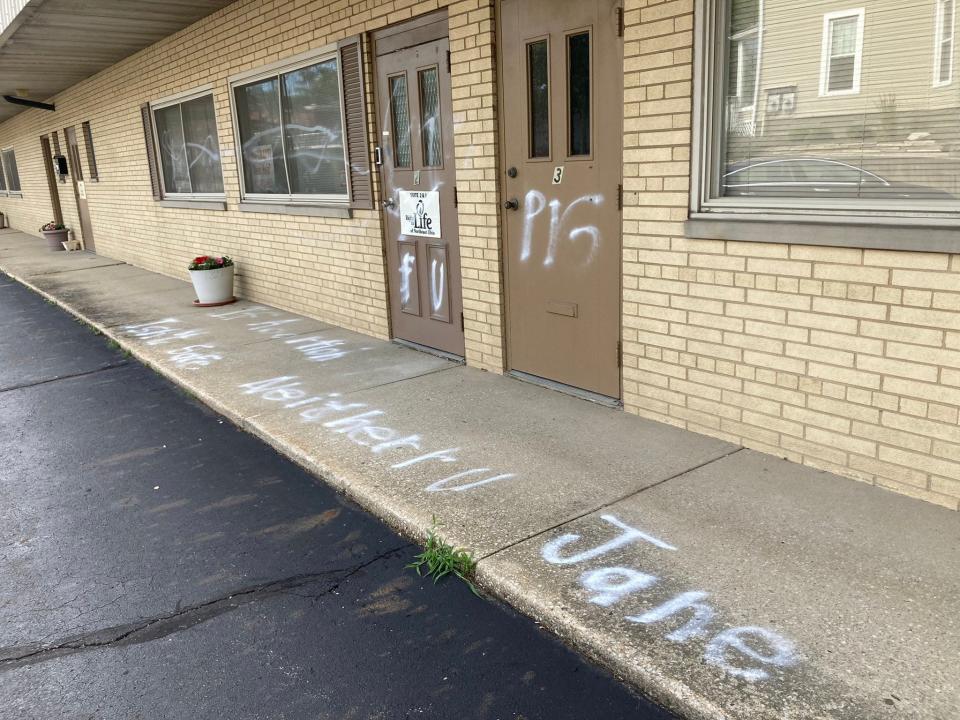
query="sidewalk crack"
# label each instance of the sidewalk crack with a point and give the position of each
(598, 508)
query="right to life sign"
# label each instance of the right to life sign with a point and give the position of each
(420, 213)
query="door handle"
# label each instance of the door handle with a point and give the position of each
(511, 204)
(389, 204)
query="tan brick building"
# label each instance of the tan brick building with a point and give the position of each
(763, 246)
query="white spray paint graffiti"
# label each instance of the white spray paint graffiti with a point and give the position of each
(355, 421)
(406, 269)
(437, 287)
(161, 332)
(610, 585)
(320, 349)
(264, 321)
(193, 357)
(534, 203)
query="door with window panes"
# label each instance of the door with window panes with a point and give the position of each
(561, 79)
(417, 169)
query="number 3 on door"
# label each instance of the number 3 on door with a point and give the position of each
(558, 174)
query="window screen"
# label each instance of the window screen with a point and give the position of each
(822, 103)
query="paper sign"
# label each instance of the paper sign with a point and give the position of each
(82, 190)
(420, 213)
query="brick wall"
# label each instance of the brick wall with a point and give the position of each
(842, 359)
(332, 269)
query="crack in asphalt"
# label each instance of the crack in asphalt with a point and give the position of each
(45, 381)
(182, 618)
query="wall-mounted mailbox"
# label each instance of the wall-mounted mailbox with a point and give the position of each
(60, 165)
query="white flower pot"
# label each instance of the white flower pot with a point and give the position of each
(213, 286)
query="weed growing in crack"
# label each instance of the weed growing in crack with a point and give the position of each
(442, 559)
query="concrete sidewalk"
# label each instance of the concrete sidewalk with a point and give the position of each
(721, 582)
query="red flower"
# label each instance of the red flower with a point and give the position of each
(202, 259)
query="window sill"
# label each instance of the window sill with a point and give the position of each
(11, 194)
(294, 209)
(880, 234)
(194, 204)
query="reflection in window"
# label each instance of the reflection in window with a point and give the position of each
(538, 88)
(400, 119)
(943, 52)
(313, 130)
(578, 92)
(291, 133)
(843, 38)
(430, 131)
(792, 127)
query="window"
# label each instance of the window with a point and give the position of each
(185, 130)
(787, 127)
(290, 132)
(430, 130)
(400, 121)
(10, 174)
(538, 92)
(578, 93)
(842, 51)
(91, 157)
(943, 45)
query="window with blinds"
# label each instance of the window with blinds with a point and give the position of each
(822, 106)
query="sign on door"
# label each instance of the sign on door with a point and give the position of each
(420, 213)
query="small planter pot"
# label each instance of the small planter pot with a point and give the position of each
(213, 287)
(55, 238)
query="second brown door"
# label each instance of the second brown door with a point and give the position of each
(417, 168)
(79, 189)
(562, 103)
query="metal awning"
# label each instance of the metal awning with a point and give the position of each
(47, 46)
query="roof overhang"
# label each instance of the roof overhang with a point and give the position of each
(50, 45)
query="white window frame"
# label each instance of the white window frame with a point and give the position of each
(296, 62)
(7, 191)
(179, 99)
(826, 58)
(710, 88)
(939, 40)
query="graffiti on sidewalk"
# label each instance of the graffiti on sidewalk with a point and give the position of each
(363, 425)
(171, 330)
(748, 652)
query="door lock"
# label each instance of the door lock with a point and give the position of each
(389, 204)
(511, 204)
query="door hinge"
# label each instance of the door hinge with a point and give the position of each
(462, 328)
(620, 22)
(448, 62)
(619, 353)
(456, 202)
(620, 196)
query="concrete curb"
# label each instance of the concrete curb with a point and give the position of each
(643, 677)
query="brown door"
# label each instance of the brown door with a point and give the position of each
(417, 170)
(562, 96)
(79, 189)
(51, 178)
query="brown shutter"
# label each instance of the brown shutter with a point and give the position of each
(151, 151)
(355, 117)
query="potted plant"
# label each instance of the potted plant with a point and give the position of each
(212, 278)
(55, 234)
